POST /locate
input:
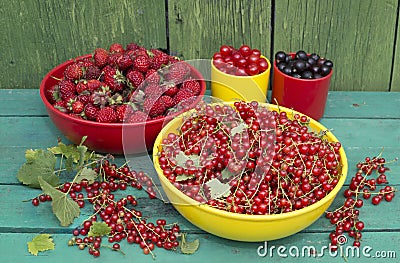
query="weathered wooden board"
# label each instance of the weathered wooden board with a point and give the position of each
(396, 65)
(38, 35)
(197, 29)
(357, 35)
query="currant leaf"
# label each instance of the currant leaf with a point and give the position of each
(183, 177)
(64, 208)
(239, 129)
(181, 159)
(98, 229)
(38, 163)
(218, 189)
(188, 247)
(86, 173)
(40, 243)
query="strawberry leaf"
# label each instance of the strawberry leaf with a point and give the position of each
(98, 229)
(40, 243)
(38, 163)
(218, 189)
(63, 206)
(86, 173)
(188, 247)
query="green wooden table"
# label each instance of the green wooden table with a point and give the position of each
(363, 121)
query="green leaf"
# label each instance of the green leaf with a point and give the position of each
(82, 151)
(98, 229)
(39, 243)
(188, 247)
(86, 173)
(38, 163)
(181, 159)
(226, 174)
(69, 151)
(218, 189)
(239, 129)
(184, 177)
(63, 206)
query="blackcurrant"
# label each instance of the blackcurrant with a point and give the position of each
(296, 75)
(299, 65)
(314, 56)
(328, 63)
(307, 75)
(301, 55)
(280, 56)
(281, 65)
(287, 70)
(325, 70)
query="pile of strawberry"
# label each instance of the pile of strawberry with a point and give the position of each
(131, 84)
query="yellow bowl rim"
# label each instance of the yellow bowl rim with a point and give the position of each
(247, 217)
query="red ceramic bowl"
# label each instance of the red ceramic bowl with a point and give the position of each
(114, 138)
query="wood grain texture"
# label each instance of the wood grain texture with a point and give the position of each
(357, 35)
(38, 35)
(198, 29)
(396, 65)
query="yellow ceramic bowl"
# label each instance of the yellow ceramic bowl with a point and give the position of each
(248, 88)
(241, 227)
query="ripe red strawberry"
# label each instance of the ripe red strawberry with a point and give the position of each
(81, 86)
(85, 62)
(116, 48)
(93, 84)
(106, 115)
(158, 59)
(178, 72)
(167, 101)
(73, 72)
(192, 86)
(135, 78)
(132, 46)
(141, 63)
(91, 111)
(152, 76)
(84, 97)
(183, 96)
(124, 112)
(92, 72)
(138, 116)
(154, 107)
(113, 58)
(113, 78)
(67, 89)
(170, 89)
(77, 106)
(153, 90)
(61, 105)
(124, 61)
(100, 57)
(53, 94)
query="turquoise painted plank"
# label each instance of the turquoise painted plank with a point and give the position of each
(340, 104)
(212, 249)
(16, 157)
(21, 216)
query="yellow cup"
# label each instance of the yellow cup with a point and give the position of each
(231, 88)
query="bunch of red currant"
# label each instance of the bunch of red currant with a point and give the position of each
(240, 62)
(248, 159)
(346, 218)
(120, 216)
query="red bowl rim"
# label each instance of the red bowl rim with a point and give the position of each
(110, 125)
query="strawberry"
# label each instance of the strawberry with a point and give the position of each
(137, 116)
(113, 58)
(67, 89)
(153, 90)
(61, 105)
(116, 48)
(177, 72)
(153, 107)
(100, 57)
(170, 89)
(124, 61)
(93, 84)
(85, 62)
(81, 86)
(91, 111)
(124, 112)
(92, 72)
(106, 115)
(132, 46)
(183, 96)
(134, 77)
(84, 97)
(73, 72)
(53, 94)
(113, 78)
(192, 86)
(167, 101)
(76, 106)
(141, 63)
(158, 59)
(152, 76)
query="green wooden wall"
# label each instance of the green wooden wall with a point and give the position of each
(362, 37)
